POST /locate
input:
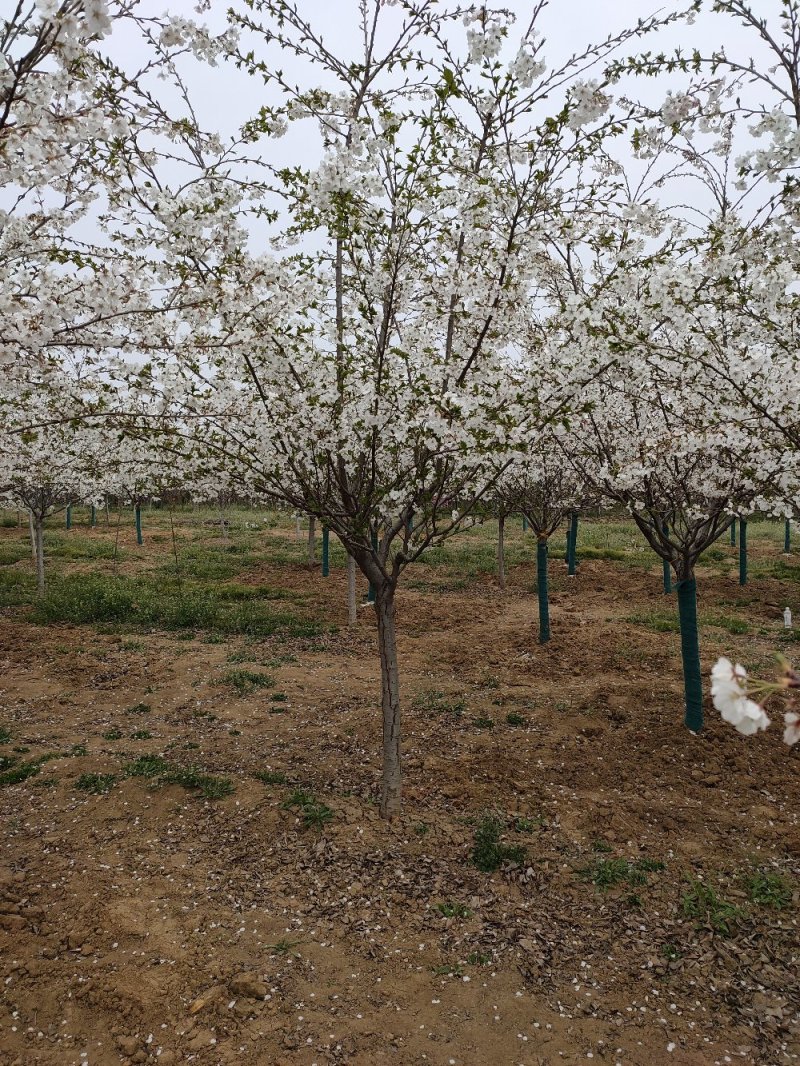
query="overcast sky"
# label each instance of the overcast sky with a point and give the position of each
(227, 97)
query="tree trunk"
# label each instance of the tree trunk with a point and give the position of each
(572, 560)
(38, 524)
(32, 529)
(733, 533)
(312, 541)
(391, 785)
(690, 653)
(742, 551)
(137, 514)
(541, 591)
(297, 527)
(501, 554)
(326, 551)
(787, 537)
(666, 568)
(352, 607)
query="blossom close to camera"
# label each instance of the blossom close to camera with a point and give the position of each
(791, 733)
(729, 693)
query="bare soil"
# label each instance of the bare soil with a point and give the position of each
(148, 925)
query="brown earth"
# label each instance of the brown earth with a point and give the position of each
(147, 925)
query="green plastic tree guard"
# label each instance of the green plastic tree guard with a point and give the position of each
(93, 516)
(69, 516)
(541, 588)
(690, 653)
(733, 533)
(326, 562)
(572, 545)
(667, 569)
(138, 516)
(742, 551)
(787, 537)
(524, 524)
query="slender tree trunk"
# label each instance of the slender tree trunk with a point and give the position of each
(297, 527)
(742, 551)
(572, 560)
(32, 530)
(108, 512)
(312, 541)
(391, 786)
(137, 513)
(541, 590)
(326, 551)
(690, 653)
(92, 517)
(733, 533)
(787, 537)
(352, 607)
(666, 567)
(38, 524)
(501, 553)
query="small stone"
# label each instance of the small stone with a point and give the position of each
(249, 985)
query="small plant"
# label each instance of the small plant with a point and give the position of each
(113, 734)
(141, 734)
(449, 970)
(314, 813)
(422, 829)
(247, 681)
(483, 723)
(207, 785)
(5, 735)
(284, 946)
(98, 784)
(453, 910)
(234, 732)
(7, 761)
(513, 718)
(607, 873)
(78, 750)
(271, 777)
(488, 853)
(769, 889)
(601, 845)
(436, 703)
(476, 958)
(701, 902)
(671, 952)
(139, 708)
(525, 825)
(16, 774)
(147, 766)
(278, 697)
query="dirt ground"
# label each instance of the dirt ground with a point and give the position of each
(146, 924)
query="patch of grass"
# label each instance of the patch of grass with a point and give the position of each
(660, 621)
(454, 910)
(139, 708)
(483, 723)
(671, 951)
(488, 852)
(702, 903)
(247, 681)
(278, 697)
(113, 734)
(5, 735)
(476, 958)
(422, 829)
(284, 946)
(436, 703)
(97, 784)
(313, 813)
(601, 845)
(7, 761)
(769, 889)
(142, 734)
(271, 777)
(525, 825)
(607, 873)
(21, 772)
(732, 625)
(449, 970)
(17, 588)
(512, 718)
(147, 766)
(600, 553)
